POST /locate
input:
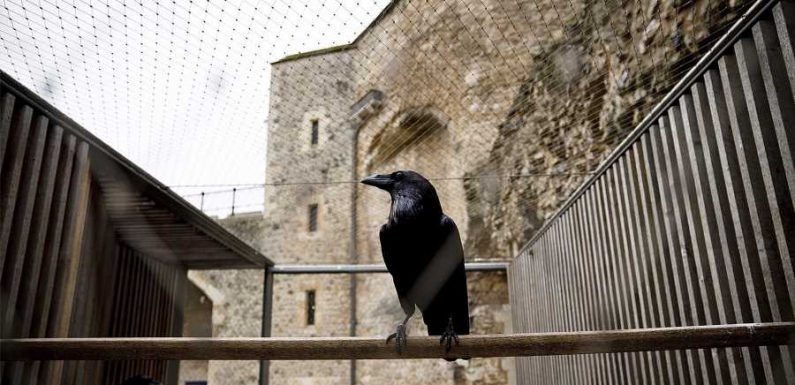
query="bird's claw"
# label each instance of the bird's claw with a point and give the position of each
(400, 338)
(448, 337)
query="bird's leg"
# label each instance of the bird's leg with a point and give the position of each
(400, 335)
(449, 336)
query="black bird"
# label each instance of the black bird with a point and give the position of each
(422, 251)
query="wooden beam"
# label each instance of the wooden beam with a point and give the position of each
(285, 348)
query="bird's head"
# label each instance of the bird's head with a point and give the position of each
(413, 196)
(398, 181)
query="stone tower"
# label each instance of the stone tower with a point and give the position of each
(505, 105)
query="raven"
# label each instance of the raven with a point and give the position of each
(422, 251)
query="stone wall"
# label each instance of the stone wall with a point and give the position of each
(505, 105)
(236, 297)
(583, 91)
(198, 323)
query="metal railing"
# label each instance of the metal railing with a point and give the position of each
(689, 222)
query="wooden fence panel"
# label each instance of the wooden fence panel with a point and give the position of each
(691, 222)
(63, 272)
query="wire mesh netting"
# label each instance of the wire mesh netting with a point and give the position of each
(506, 107)
(182, 88)
(279, 107)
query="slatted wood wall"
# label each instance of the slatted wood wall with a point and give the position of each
(693, 224)
(64, 271)
(152, 313)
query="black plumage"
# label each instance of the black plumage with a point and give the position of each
(422, 250)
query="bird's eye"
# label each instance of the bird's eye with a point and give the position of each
(399, 175)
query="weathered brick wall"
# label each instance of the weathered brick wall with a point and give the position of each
(198, 323)
(237, 311)
(301, 91)
(532, 94)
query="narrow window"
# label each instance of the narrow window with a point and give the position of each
(314, 131)
(313, 217)
(310, 307)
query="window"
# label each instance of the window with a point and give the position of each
(310, 307)
(315, 127)
(313, 218)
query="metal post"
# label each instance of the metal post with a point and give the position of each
(352, 250)
(234, 190)
(373, 268)
(201, 205)
(267, 308)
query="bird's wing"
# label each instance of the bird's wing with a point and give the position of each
(391, 250)
(442, 285)
(388, 248)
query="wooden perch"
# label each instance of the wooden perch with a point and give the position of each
(336, 348)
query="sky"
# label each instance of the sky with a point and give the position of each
(179, 87)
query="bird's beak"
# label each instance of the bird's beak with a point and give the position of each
(380, 181)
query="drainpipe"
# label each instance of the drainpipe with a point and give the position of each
(363, 109)
(354, 256)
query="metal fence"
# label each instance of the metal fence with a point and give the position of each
(689, 222)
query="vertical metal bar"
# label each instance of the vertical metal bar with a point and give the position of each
(694, 239)
(780, 101)
(548, 369)
(567, 303)
(527, 302)
(705, 226)
(562, 301)
(713, 121)
(607, 271)
(522, 301)
(529, 285)
(632, 260)
(779, 199)
(234, 192)
(583, 365)
(776, 142)
(598, 307)
(588, 363)
(267, 316)
(784, 16)
(649, 196)
(510, 277)
(621, 294)
(778, 212)
(641, 257)
(582, 281)
(551, 289)
(754, 185)
(731, 159)
(685, 360)
(688, 274)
